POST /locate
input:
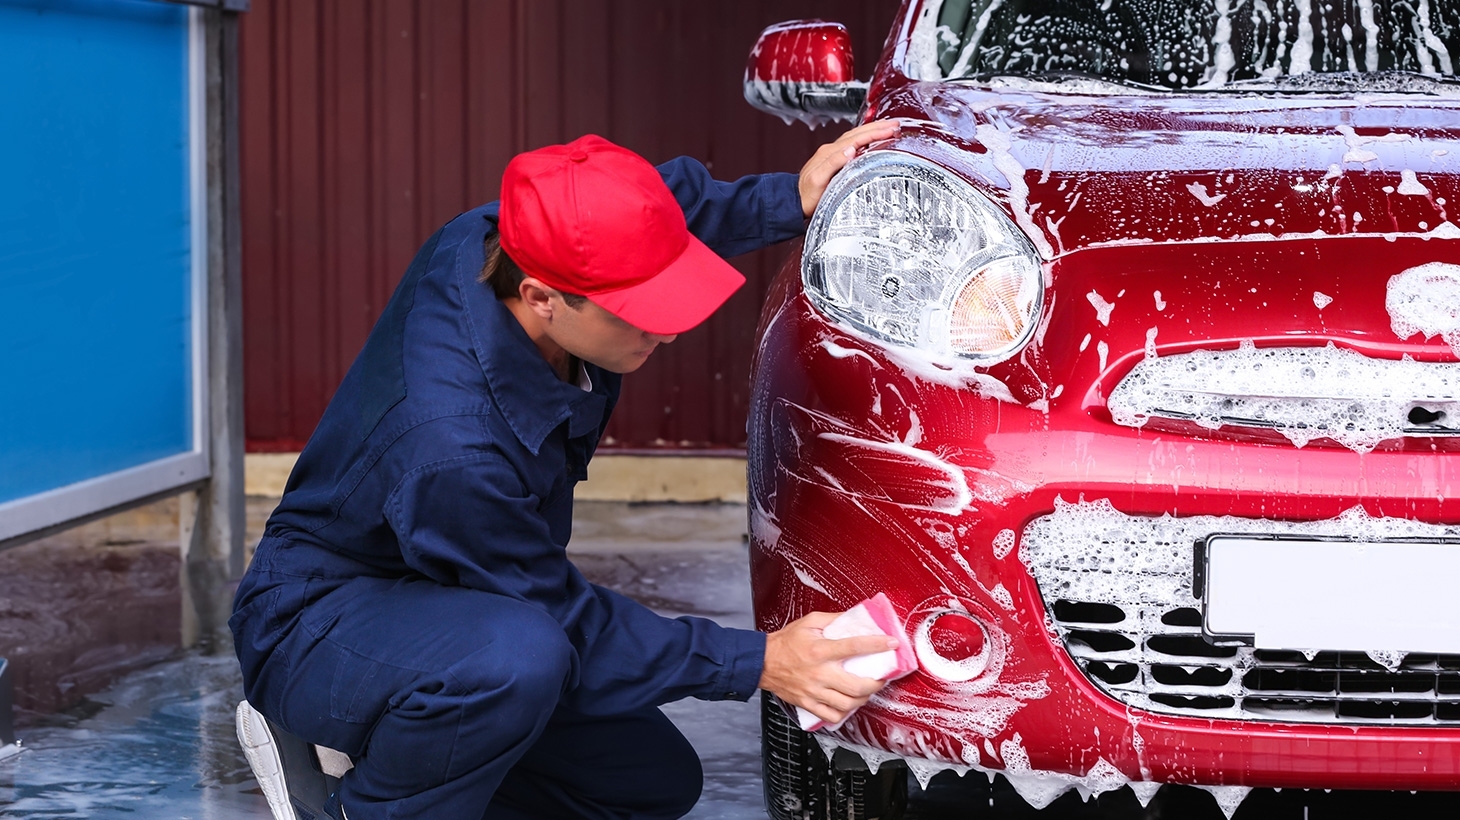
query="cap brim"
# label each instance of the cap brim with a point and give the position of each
(680, 297)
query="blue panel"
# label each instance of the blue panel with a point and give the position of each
(95, 256)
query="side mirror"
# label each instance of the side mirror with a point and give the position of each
(803, 70)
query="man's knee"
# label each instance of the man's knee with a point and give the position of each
(682, 780)
(636, 765)
(526, 661)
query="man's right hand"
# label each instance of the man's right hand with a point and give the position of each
(804, 668)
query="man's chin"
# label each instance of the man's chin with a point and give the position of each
(628, 364)
(623, 366)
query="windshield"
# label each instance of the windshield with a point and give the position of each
(1348, 45)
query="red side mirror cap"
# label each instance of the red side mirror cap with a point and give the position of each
(803, 69)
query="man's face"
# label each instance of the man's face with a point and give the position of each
(595, 335)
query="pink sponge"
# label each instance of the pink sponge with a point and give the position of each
(874, 616)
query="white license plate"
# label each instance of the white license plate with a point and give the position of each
(1338, 595)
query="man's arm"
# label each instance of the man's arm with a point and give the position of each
(469, 521)
(755, 211)
(737, 217)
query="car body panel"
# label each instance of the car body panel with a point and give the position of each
(1168, 225)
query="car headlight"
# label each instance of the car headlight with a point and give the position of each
(905, 251)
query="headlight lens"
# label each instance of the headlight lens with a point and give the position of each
(905, 251)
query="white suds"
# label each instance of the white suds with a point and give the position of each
(1301, 57)
(1003, 544)
(805, 577)
(949, 495)
(1371, 35)
(1199, 191)
(771, 96)
(1160, 303)
(1224, 60)
(1390, 659)
(1102, 307)
(1409, 184)
(1089, 551)
(1038, 789)
(950, 372)
(997, 141)
(1426, 299)
(1041, 788)
(838, 352)
(1228, 797)
(985, 666)
(1321, 300)
(1303, 393)
(763, 528)
(1001, 594)
(1144, 791)
(1357, 152)
(947, 370)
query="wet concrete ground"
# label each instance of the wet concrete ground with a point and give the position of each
(80, 609)
(158, 743)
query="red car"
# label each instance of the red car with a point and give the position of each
(1130, 372)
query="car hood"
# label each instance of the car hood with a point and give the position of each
(1078, 170)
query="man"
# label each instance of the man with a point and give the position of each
(411, 603)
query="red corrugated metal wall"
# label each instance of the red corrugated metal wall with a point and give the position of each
(368, 123)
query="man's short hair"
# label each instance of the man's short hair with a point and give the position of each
(506, 277)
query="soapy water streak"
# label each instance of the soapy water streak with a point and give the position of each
(1102, 307)
(949, 371)
(949, 494)
(814, 104)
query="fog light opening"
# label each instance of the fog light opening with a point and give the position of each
(953, 646)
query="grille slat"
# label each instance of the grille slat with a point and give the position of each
(1118, 589)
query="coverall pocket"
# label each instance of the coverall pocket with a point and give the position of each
(352, 698)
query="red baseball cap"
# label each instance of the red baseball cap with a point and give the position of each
(595, 219)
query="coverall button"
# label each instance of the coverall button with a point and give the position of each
(578, 155)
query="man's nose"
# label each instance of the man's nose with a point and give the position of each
(660, 338)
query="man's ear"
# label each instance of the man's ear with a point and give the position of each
(537, 297)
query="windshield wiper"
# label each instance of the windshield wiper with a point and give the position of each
(1351, 82)
(1105, 85)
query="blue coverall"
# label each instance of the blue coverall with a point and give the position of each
(411, 603)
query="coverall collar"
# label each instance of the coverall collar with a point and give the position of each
(533, 400)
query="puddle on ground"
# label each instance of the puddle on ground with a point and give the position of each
(77, 615)
(159, 745)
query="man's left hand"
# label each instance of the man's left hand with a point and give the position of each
(816, 174)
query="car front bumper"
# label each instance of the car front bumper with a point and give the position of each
(868, 475)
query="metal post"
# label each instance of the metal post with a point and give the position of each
(8, 746)
(212, 518)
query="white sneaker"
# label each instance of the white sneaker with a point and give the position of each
(263, 757)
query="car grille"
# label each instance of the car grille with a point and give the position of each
(1119, 591)
(1305, 394)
